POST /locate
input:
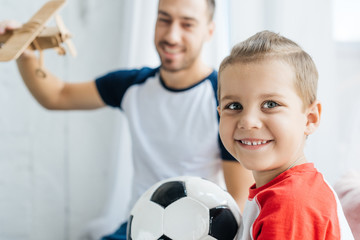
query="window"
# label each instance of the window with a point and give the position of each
(346, 20)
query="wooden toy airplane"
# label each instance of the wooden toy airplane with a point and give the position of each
(36, 36)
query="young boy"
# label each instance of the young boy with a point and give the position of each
(268, 107)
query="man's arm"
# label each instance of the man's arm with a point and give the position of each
(238, 181)
(48, 90)
(53, 93)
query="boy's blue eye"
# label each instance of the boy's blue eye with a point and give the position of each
(235, 106)
(270, 104)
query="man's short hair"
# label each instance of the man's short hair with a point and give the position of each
(211, 8)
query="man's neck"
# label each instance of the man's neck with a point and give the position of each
(185, 78)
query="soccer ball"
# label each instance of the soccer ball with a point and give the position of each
(184, 208)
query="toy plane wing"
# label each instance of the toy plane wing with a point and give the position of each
(21, 39)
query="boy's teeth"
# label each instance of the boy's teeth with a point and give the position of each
(253, 143)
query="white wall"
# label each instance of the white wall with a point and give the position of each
(348, 73)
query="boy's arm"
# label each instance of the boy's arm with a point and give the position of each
(238, 181)
(53, 93)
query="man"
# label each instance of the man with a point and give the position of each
(171, 109)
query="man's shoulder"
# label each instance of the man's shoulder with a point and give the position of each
(146, 72)
(212, 77)
(137, 75)
(113, 85)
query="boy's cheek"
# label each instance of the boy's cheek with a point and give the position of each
(224, 133)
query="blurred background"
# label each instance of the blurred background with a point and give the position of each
(66, 175)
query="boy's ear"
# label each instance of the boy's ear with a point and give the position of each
(218, 109)
(313, 117)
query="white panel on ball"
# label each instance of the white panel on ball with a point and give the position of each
(149, 225)
(186, 219)
(209, 193)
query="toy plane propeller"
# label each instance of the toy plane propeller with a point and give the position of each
(36, 36)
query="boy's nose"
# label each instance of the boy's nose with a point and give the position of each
(248, 121)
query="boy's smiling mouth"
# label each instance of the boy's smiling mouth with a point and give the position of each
(253, 143)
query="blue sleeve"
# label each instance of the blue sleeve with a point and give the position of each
(225, 155)
(113, 86)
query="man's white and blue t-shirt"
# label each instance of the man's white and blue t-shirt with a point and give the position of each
(174, 132)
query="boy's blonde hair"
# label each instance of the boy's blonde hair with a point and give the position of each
(269, 45)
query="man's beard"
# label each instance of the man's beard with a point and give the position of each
(167, 65)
